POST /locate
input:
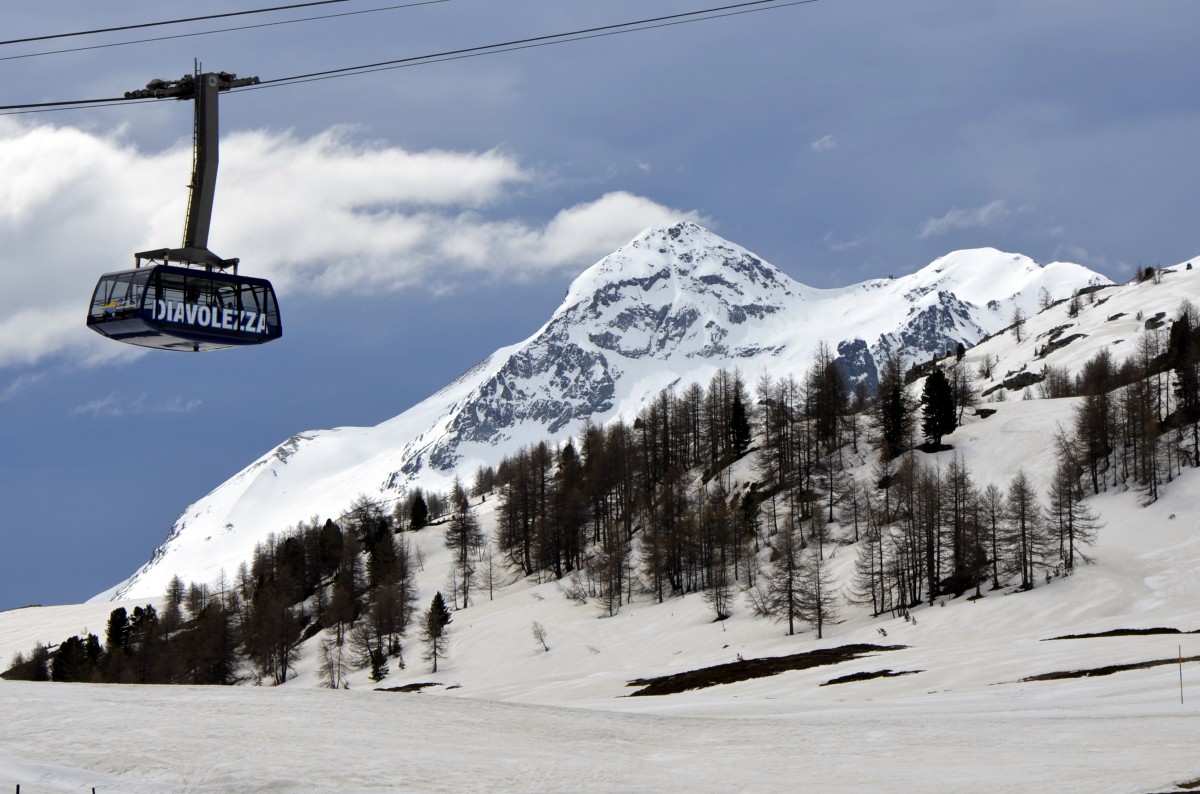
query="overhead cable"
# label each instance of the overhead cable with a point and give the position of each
(142, 25)
(553, 38)
(650, 23)
(221, 30)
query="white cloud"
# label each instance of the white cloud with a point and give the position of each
(834, 244)
(825, 144)
(20, 384)
(327, 214)
(980, 217)
(115, 405)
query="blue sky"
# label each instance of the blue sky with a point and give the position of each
(414, 220)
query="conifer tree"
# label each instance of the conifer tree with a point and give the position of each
(1018, 324)
(418, 514)
(464, 538)
(826, 397)
(433, 632)
(817, 590)
(172, 602)
(893, 415)
(379, 665)
(333, 665)
(1026, 530)
(778, 594)
(75, 659)
(116, 635)
(720, 591)
(1068, 513)
(739, 424)
(937, 400)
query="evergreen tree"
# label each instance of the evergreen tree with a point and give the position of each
(739, 424)
(1183, 354)
(433, 632)
(418, 512)
(215, 638)
(75, 659)
(173, 600)
(937, 400)
(1095, 415)
(379, 665)
(893, 415)
(144, 644)
(116, 635)
(827, 394)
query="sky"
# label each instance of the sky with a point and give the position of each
(413, 220)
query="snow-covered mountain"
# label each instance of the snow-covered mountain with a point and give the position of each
(980, 671)
(671, 308)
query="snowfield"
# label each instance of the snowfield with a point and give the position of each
(1126, 738)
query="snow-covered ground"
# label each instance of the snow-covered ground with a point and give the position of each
(507, 716)
(1129, 735)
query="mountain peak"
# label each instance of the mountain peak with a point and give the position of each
(981, 275)
(680, 262)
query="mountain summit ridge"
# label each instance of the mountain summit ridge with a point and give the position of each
(672, 307)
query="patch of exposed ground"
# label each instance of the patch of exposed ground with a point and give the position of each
(1189, 785)
(850, 679)
(1122, 633)
(746, 669)
(414, 687)
(1109, 669)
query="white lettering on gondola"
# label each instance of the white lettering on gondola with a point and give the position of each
(210, 317)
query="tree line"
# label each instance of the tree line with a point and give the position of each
(353, 579)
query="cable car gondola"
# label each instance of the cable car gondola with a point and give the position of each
(180, 308)
(188, 298)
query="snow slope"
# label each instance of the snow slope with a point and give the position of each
(671, 308)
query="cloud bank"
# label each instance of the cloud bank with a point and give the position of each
(326, 215)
